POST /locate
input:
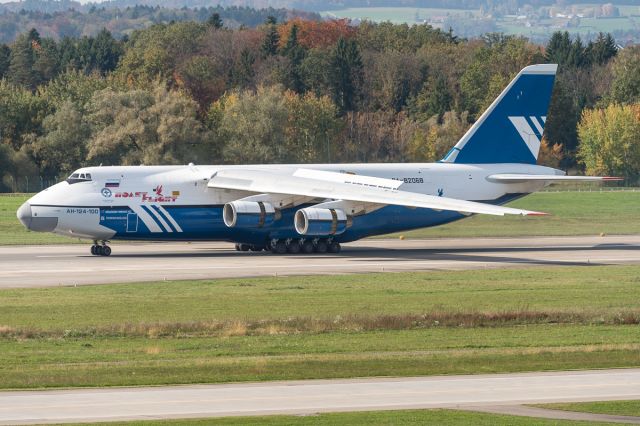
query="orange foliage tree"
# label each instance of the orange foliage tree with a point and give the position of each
(314, 34)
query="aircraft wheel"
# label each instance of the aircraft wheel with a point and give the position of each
(98, 250)
(237, 246)
(244, 247)
(334, 247)
(321, 246)
(256, 248)
(294, 247)
(307, 247)
(93, 250)
(106, 251)
(280, 247)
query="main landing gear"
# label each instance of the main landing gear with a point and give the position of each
(100, 249)
(295, 246)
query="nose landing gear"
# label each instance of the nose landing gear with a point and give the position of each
(100, 249)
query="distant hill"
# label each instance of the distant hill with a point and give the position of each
(50, 6)
(65, 18)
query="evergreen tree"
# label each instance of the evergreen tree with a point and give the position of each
(603, 49)
(5, 59)
(558, 48)
(21, 63)
(34, 36)
(46, 60)
(346, 74)
(215, 21)
(564, 52)
(577, 57)
(271, 39)
(106, 52)
(243, 72)
(439, 100)
(295, 54)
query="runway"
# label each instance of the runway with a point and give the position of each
(480, 392)
(41, 266)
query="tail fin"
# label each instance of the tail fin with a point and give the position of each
(509, 131)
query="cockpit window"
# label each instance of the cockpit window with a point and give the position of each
(79, 177)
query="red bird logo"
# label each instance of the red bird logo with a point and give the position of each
(158, 190)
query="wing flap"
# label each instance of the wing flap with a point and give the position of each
(262, 181)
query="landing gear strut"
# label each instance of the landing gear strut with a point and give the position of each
(100, 249)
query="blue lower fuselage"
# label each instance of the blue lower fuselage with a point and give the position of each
(205, 223)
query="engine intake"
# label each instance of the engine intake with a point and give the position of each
(317, 221)
(248, 214)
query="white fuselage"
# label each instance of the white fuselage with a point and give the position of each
(175, 203)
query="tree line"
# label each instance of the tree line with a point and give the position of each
(60, 19)
(298, 91)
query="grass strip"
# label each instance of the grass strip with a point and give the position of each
(452, 322)
(616, 408)
(367, 418)
(597, 294)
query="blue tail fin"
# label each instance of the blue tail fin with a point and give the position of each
(510, 130)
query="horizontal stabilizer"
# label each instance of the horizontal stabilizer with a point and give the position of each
(519, 178)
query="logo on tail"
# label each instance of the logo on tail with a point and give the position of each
(530, 135)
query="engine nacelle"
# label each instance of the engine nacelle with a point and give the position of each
(248, 214)
(318, 221)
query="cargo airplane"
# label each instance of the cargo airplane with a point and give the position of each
(311, 208)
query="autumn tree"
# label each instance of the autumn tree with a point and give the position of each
(392, 77)
(154, 126)
(63, 146)
(625, 87)
(317, 34)
(609, 140)
(253, 124)
(312, 127)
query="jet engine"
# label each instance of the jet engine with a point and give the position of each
(319, 221)
(248, 214)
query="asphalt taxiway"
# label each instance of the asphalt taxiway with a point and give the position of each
(494, 393)
(41, 266)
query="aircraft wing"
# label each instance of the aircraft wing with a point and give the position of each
(342, 186)
(516, 178)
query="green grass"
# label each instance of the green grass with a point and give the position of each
(367, 418)
(397, 15)
(310, 327)
(401, 15)
(617, 408)
(571, 289)
(572, 213)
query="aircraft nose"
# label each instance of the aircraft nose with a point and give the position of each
(24, 214)
(35, 223)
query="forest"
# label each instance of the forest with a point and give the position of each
(297, 91)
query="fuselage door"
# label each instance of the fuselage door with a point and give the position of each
(132, 222)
